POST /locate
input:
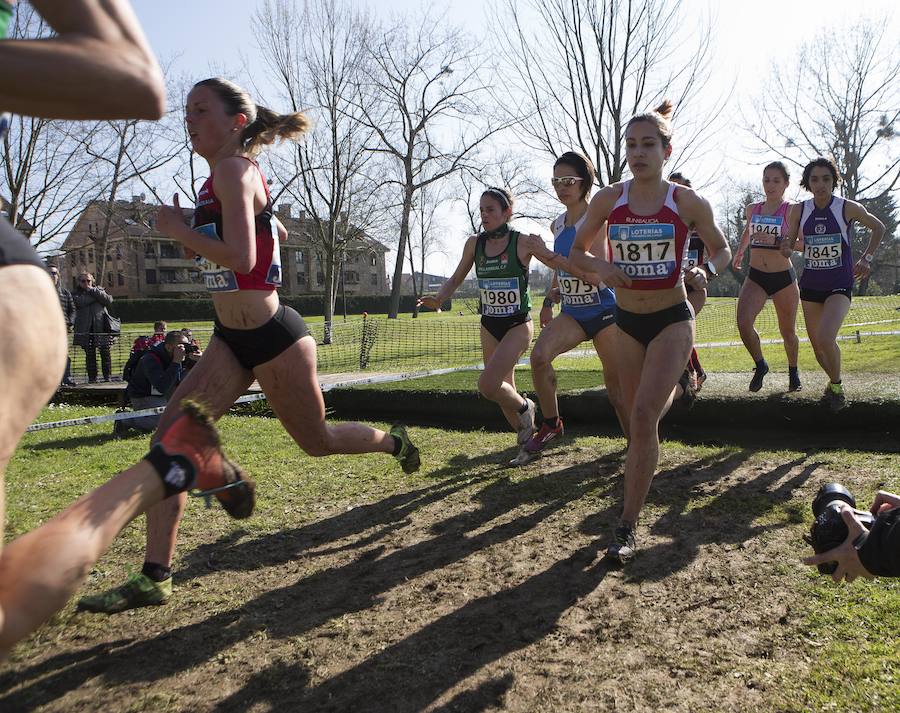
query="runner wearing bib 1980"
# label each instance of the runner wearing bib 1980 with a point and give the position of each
(501, 257)
(823, 225)
(771, 275)
(587, 311)
(648, 223)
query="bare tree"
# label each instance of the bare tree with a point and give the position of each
(46, 174)
(318, 57)
(579, 69)
(425, 238)
(840, 98)
(424, 100)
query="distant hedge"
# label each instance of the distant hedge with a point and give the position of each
(198, 309)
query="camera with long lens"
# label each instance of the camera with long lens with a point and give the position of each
(191, 349)
(829, 529)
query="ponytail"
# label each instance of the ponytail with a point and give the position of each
(269, 125)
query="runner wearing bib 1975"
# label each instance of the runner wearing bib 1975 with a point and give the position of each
(771, 276)
(648, 223)
(587, 311)
(823, 225)
(501, 257)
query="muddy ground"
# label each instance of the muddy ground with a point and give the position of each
(481, 588)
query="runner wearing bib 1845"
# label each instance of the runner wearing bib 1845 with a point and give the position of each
(823, 224)
(587, 311)
(648, 223)
(771, 275)
(501, 257)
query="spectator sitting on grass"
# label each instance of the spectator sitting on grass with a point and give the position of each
(154, 379)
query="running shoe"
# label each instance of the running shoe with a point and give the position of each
(539, 440)
(701, 379)
(794, 382)
(409, 454)
(759, 374)
(526, 423)
(688, 395)
(834, 397)
(692, 379)
(191, 451)
(623, 547)
(138, 591)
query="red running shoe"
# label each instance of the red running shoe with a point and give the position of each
(188, 456)
(539, 440)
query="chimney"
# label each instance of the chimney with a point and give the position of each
(136, 200)
(284, 210)
(302, 215)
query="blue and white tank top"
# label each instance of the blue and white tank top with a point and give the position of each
(579, 299)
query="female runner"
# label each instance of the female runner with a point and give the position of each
(823, 226)
(587, 313)
(696, 255)
(771, 275)
(648, 223)
(501, 257)
(236, 233)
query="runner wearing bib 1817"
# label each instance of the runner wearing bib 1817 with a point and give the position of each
(501, 257)
(648, 223)
(587, 311)
(771, 275)
(823, 225)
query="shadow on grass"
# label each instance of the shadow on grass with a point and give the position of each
(417, 670)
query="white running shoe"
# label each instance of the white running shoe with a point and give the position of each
(526, 423)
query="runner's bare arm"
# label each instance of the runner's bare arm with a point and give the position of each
(98, 66)
(600, 207)
(745, 239)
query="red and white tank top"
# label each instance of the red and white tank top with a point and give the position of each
(266, 273)
(650, 249)
(767, 231)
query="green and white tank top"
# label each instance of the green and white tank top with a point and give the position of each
(502, 280)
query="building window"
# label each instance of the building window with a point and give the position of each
(149, 251)
(351, 277)
(374, 277)
(109, 279)
(121, 280)
(301, 277)
(300, 257)
(320, 279)
(373, 260)
(168, 277)
(118, 251)
(150, 276)
(72, 259)
(90, 255)
(169, 250)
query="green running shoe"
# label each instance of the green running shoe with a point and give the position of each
(138, 591)
(409, 454)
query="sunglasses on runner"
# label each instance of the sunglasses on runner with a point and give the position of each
(565, 180)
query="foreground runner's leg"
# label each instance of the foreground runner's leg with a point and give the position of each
(217, 387)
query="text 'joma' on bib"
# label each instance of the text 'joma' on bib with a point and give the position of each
(822, 252)
(215, 277)
(645, 251)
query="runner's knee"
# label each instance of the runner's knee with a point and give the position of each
(489, 386)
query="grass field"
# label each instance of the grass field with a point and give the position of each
(471, 586)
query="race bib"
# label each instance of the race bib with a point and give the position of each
(215, 277)
(765, 230)
(691, 259)
(576, 292)
(644, 252)
(822, 252)
(500, 296)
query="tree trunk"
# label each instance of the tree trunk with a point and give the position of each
(329, 298)
(394, 308)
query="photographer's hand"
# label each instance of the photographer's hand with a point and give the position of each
(884, 501)
(846, 555)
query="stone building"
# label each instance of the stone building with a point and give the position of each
(141, 262)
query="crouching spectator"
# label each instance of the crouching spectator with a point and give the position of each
(153, 380)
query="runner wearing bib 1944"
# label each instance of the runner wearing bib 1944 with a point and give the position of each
(648, 222)
(823, 224)
(771, 276)
(501, 257)
(587, 310)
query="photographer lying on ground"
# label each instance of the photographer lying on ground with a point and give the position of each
(154, 379)
(867, 553)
